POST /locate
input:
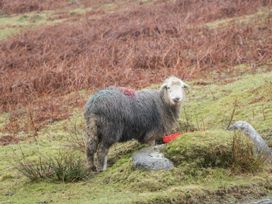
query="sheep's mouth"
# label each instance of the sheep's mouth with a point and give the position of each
(175, 102)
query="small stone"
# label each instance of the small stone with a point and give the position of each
(151, 158)
(9, 193)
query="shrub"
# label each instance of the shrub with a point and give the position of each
(244, 158)
(65, 167)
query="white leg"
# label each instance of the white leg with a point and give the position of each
(105, 163)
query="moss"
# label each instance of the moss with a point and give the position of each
(203, 149)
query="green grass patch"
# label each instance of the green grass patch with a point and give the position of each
(259, 17)
(202, 149)
(11, 25)
(80, 11)
(204, 167)
(7, 32)
(27, 19)
(211, 107)
(3, 119)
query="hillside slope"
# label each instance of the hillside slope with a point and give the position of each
(202, 173)
(54, 55)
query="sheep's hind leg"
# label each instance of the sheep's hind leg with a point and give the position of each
(91, 143)
(91, 149)
(102, 157)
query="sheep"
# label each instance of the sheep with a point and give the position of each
(118, 114)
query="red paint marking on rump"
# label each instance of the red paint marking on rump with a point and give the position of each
(171, 137)
(127, 91)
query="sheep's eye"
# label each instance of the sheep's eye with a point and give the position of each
(167, 87)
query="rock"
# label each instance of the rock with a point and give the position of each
(265, 201)
(9, 194)
(151, 158)
(256, 138)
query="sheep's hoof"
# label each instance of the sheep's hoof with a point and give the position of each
(99, 170)
(92, 169)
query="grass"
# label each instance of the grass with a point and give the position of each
(204, 172)
(7, 32)
(3, 118)
(79, 11)
(203, 169)
(11, 25)
(25, 19)
(259, 17)
(210, 107)
(62, 167)
(215, 149)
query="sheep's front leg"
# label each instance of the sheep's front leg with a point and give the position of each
(151, 142)
(102, 158)
(150, 138)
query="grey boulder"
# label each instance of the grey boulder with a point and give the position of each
(151, 158)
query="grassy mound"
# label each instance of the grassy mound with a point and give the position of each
(203, 149)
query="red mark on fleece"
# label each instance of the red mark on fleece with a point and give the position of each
(127, 91)
(171, 137)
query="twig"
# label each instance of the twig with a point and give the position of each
(235, 104)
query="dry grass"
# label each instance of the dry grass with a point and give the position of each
(148, 44)
(61, 167)
(244, 157)
(19, 6)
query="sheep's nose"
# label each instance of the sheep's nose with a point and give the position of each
(176, 100)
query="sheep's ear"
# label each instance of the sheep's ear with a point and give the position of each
(163, 86)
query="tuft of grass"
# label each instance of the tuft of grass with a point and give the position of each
(244, 158)
(64, 167)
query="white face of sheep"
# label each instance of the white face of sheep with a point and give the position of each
(174, 90)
